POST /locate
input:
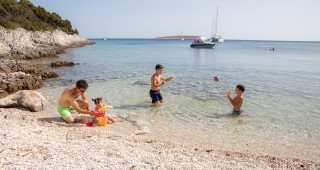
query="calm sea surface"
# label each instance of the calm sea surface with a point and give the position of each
(282, 98)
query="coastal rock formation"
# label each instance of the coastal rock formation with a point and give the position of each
(15, 45)
(8, 66)
(12, 82)
(49, 75)
(22, 44)
(62, 64)
(27, 99)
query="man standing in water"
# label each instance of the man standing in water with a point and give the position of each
(156, 82)
(69, 101)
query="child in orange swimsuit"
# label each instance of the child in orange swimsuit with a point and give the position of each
(100, 109)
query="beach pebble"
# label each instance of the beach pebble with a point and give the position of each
(209, 150)
(142, 131)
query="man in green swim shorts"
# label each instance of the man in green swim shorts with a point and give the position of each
(69, 101)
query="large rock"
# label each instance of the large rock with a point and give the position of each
(48, 75)
(28, 99)
(62, 64)
(12, 82)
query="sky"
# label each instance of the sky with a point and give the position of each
(293, 20)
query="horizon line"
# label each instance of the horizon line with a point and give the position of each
(157, 38)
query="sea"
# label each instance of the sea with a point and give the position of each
(281, 109)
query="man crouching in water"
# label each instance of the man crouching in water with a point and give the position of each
(69, 101)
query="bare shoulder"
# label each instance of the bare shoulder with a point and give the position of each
(153, 76)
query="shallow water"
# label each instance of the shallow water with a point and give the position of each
(281, 108)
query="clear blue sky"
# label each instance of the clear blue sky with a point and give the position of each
(239, 19)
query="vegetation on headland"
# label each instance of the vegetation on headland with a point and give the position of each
(23, 14)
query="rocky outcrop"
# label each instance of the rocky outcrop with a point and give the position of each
(23, 44)
(62, 64)
(27, 99)
(9, 66)
(13, 82)
(19, 44)
(49, 75)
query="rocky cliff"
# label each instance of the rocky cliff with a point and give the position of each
(23, 44)
(18, 45)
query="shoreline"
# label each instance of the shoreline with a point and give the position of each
(51, 143)
(137, 148)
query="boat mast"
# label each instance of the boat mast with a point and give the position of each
(213, 27)
(216, 29)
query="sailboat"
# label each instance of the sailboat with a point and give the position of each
(215, 37)
(182, 38)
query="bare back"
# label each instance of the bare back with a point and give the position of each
(66, 96)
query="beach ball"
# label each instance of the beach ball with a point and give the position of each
(216, 78)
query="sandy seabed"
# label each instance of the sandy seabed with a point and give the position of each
(37, 140)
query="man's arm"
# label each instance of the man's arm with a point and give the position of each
(85, 99)
(166, 79)
(75, 105)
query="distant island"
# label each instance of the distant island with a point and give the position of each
(178, 37)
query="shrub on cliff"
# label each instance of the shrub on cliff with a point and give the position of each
(24, 14)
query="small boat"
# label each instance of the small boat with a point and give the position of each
(201, 42)
(203, 45)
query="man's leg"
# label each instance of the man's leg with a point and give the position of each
(69, 119)
(65, 113)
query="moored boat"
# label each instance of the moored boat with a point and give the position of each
(203, 45)
(201, 42)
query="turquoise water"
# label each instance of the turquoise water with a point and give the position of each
(281, 107)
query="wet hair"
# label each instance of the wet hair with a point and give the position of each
(97, 100)
(82, 84)
(241, 87)
(159, 66)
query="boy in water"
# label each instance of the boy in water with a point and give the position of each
(156, 82)
(238, 100)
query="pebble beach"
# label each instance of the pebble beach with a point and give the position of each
(36, 140)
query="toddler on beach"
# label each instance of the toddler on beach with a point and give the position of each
(100, 110)
(157, 81)
(238, 100)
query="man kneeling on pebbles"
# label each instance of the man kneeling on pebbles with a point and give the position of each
(69, 101)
